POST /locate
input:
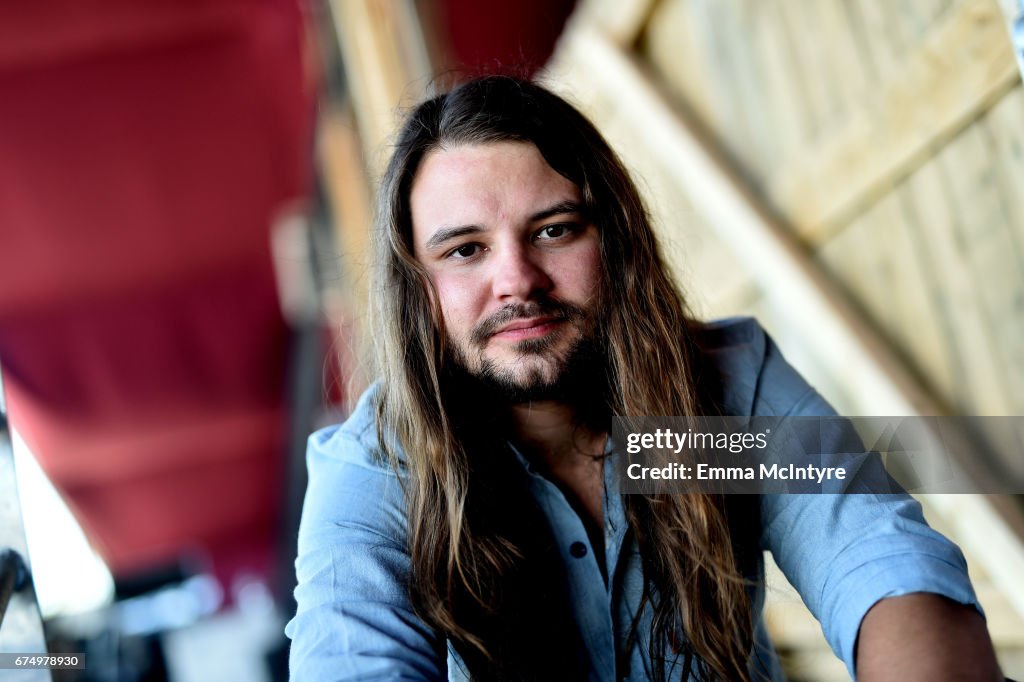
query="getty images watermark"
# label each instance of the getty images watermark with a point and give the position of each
(769, 455)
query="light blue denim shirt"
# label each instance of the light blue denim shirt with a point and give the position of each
(842, 552)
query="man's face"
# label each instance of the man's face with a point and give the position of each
(515, 262)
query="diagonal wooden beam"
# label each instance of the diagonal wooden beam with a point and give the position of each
(621, 21)
(385, 55)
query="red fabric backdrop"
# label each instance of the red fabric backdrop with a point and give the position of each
(144, 151)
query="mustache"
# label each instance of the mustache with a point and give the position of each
(548, 307)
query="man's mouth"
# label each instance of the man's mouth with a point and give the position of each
(528, 328)
(525, 321)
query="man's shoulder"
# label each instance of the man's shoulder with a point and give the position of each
(754, 376)
(353, 495)
(732, 337)
(354, 441)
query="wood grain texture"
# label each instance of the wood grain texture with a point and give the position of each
(879, 261)
(963, 66)
(386, 64)
(991, 253)
(673, 45)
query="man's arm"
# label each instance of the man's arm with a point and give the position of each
(924, 637)
(888, 590)
(354, 620)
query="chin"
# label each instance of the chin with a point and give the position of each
(558, 367)
(524, 379)
(531, 375)
(532, 361)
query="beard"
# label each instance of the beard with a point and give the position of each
(542, 368)
(577, 368)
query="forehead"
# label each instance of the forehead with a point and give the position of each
(483, 184)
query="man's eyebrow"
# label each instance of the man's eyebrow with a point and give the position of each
(558, 209)
(448, 233)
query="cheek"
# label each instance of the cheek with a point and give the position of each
(458, 303)
(581, 276)
(595, 268)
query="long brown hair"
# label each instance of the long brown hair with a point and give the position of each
(476, 567)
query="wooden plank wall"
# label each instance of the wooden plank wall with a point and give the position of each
(889, 135)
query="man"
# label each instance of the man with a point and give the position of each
(466, 521)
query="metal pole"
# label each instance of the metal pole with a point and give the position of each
(13, 577)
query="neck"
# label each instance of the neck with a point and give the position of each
(557, 434)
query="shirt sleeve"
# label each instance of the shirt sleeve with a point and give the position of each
(354, 620)
(845, 552)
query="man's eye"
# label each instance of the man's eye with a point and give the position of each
(465, 251)
(555, 231)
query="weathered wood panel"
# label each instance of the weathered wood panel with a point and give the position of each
(962, 68)
(829, 106)
(991, 253)
(977, 381)
(878, 260)
(861, 92)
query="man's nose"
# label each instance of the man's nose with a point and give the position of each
(519, 274)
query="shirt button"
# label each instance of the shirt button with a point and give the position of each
(578, 550)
